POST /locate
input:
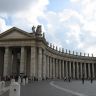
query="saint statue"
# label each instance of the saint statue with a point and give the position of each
(33, 29)
(38, 30)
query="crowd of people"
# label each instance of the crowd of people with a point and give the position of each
(83, 79)
(8, 78)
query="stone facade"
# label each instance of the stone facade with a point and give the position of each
(30, 54)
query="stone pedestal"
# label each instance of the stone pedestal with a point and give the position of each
(23, 81)
(14, 89)
(19, 80)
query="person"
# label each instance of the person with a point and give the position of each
(65, 78)
(83, 79)
(69, 78)
(91, 79)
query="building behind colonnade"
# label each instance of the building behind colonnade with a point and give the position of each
(29, 54)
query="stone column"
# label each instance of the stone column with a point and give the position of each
(6, 62)
(73, 69)
(53, 68)
(59, 69)
(44, 64)
(77, 70)
(93, 70)
(22, 60)
(89, 72)
(40, 64)
(70, 69)
(56, 68)
(67, 69)
(63, 68)
(47, 66)
(85, 73)
(33, 62)
(81, 70)
(26, 63)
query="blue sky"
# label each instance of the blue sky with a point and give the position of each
(68, 24)
(58, 5)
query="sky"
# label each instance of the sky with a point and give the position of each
(68, 24)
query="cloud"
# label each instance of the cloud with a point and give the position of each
(62, 31)
(70, 28)
(3, 25)
(76, 1)
(24, 18)
(7, 6)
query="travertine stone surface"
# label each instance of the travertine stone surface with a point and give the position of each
(6, 61)
(40, 64)
(22, 60)
(33, 62)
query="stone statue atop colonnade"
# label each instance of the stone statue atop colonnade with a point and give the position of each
(38, 30)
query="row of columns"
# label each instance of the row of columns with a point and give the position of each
(62, 68)
(42, 66)
(37, 66)
(8, 61)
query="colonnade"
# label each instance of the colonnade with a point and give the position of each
(30, 61)
(57, 68)
(36, 63)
